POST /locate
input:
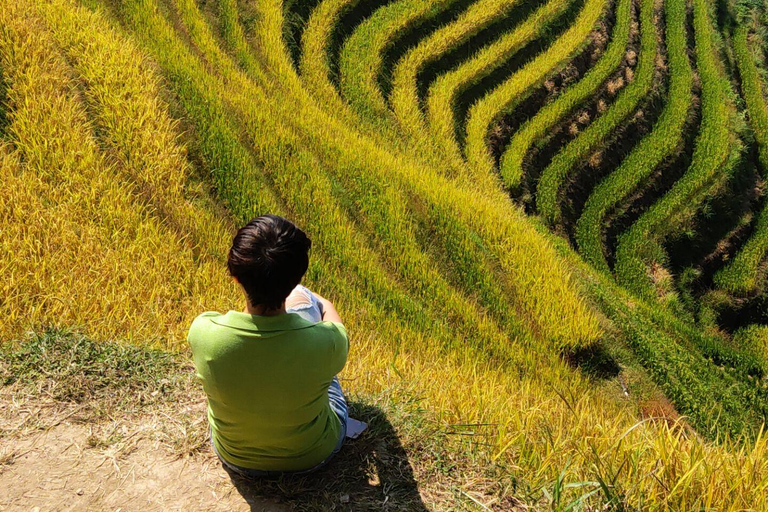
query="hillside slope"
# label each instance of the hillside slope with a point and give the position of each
(137, 133)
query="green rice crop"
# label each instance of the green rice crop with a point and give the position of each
(657, 147)
(362, 56)
(404, 97)
(510, 93)
(511, 164)
(554, 177)
(741, 274)
(443, 93)
(713, 157)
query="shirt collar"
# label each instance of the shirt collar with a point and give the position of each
(248, 322)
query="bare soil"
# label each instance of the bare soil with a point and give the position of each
(88, 425)
(123, 464)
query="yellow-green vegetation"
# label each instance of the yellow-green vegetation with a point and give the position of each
(442, 96)
(741, 274)
(556, 173)
(511, 165)
(138, 133)
(650, 152)
(753, 339)
(713, 158)
(102, 224)
(405, 100)
(503, 98)
(361, 58)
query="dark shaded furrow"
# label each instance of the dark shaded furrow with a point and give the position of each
(412, 36)
(295, 16)
(459, 54)
(521, 57)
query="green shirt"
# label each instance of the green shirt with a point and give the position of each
(267, 380)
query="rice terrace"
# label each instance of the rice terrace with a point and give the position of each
(544, 223)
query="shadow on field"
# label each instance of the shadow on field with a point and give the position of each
(594, 361)
(371, 472)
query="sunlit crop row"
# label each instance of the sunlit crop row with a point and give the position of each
(740, 275)
(665, 138)
(511, 164)
(554, 177)
(443, 93)
(511, 92)
(361, 59)
(404, 98)
(713, 157)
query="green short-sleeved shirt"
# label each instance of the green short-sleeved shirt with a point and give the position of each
(267, 380)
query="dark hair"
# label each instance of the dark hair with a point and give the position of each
(269, 256)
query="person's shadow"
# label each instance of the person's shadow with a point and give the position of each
(371, 472)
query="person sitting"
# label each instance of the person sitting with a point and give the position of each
(275, 404)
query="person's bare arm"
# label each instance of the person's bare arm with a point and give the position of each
(329, 312)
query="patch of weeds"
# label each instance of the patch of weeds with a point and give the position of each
(100, 440)
(65, 366)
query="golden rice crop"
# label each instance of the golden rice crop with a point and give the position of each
(85, 243)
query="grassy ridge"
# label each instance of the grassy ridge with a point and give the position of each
(557, 172)
(506, 96)
(511, 164)
(658, 146)
(315, 65)
(443, 93)
(362, 56)
(404, 97)
(713, 157)
(741, 273)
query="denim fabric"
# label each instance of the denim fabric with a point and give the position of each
(309, 308)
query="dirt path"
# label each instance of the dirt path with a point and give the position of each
(69, 456)
(90, 425)
(60, 469)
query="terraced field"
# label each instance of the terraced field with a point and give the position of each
(541, 218)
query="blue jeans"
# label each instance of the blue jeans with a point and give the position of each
(305, 304)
